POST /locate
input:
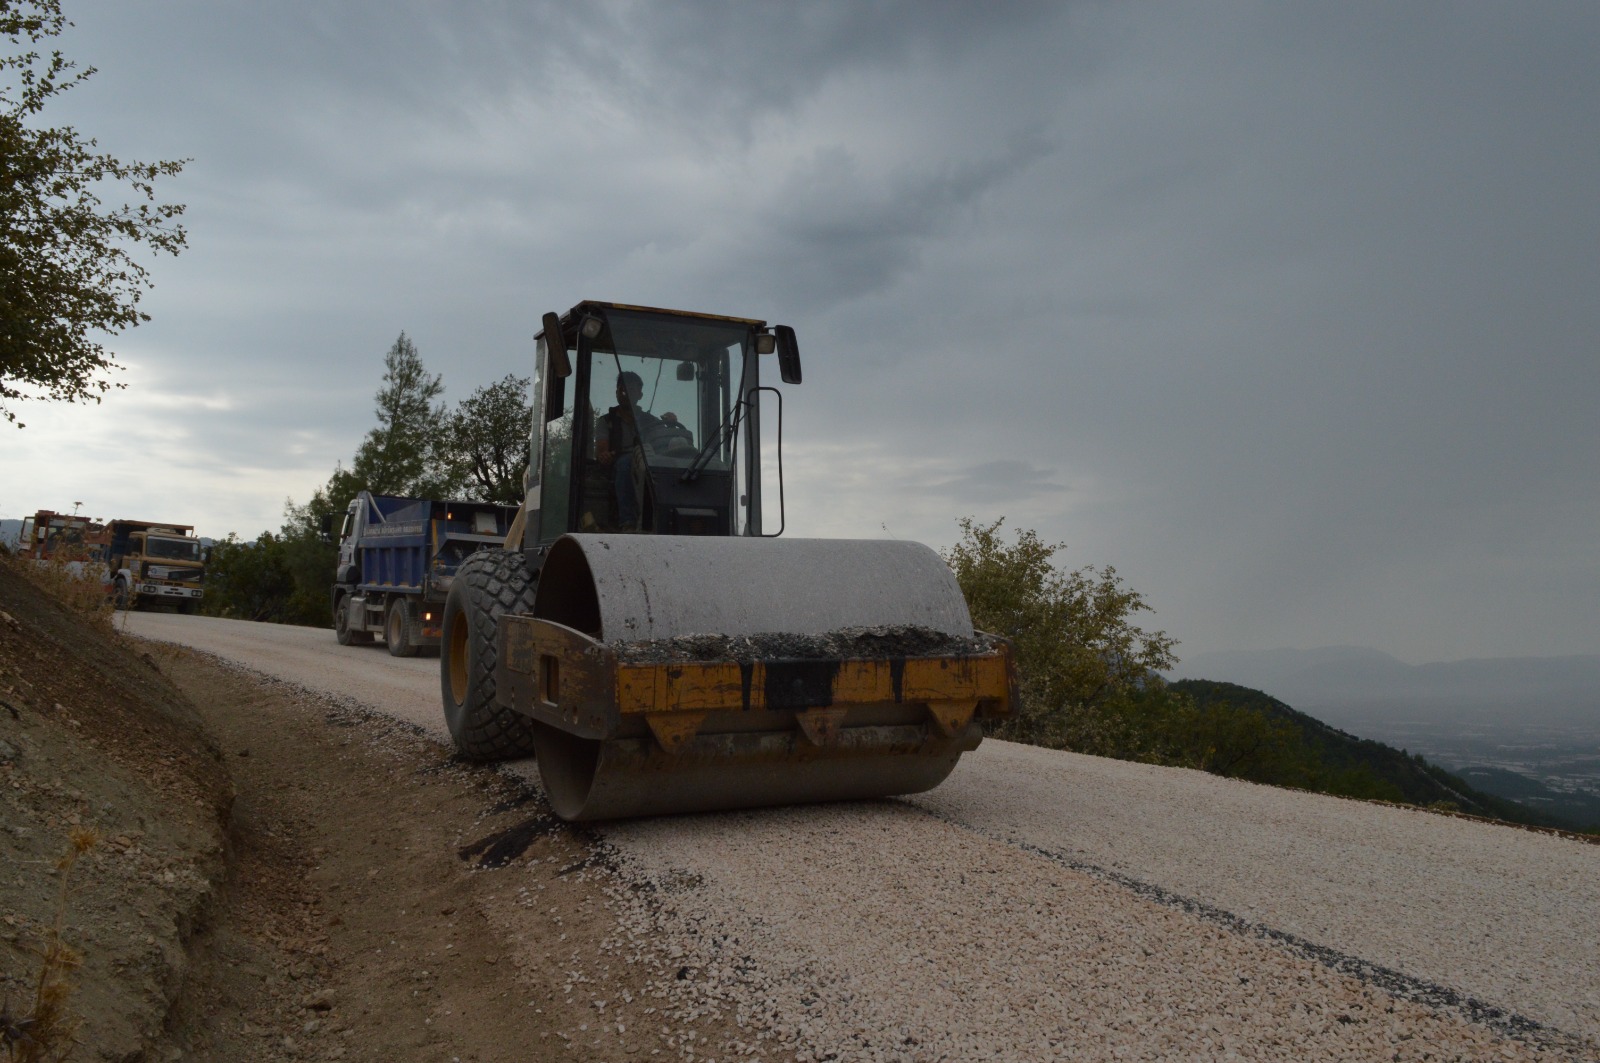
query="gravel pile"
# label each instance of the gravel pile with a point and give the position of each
(845, 643)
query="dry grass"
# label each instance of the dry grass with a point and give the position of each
(76, 584)
(47, 1031)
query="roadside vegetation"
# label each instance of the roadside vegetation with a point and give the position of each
(44, 1027)
(67, 582)
(1091, 682)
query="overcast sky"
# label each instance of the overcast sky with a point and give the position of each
(1290, 312)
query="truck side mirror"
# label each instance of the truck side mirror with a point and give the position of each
(788, 354)
(327, 527)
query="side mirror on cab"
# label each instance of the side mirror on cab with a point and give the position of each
(557, 368)
(560, 364)
(788, 354)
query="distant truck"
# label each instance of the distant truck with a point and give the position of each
(154, 563)
(397, 559)
(61, 537)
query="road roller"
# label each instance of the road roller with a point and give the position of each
(649, 636)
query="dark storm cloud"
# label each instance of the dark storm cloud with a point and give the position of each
(1285, 310)
(836, 237)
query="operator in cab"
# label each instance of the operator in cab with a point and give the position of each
(618, 433)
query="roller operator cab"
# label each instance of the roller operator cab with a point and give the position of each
(649, 421)
(646, 634)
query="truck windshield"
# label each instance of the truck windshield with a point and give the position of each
(671, 381)
(172, 549)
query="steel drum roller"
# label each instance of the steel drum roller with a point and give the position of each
(622, 589)
(630, 588)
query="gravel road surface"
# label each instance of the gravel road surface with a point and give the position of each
(404, 687)
(1044, 905)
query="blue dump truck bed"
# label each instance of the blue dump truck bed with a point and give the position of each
(416, 544)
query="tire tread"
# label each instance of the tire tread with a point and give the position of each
(495, 582)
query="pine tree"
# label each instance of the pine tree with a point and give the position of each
(402, 455)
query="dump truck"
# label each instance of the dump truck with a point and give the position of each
(646, 634)
(154, 563)
(397, 560)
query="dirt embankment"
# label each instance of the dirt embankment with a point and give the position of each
(96, 743)
(265, 877)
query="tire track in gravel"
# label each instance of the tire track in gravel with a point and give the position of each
(1395, 983)
(1506, 917)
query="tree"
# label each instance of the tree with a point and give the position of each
(249, 581)
(67, 270)
(402, 455)
(1082, 663)
(285, 578)
(487, 440)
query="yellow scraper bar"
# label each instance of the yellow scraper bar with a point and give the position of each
(723, 685)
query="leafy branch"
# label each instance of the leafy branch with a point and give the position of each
(67, 266)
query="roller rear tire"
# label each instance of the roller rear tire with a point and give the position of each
(488, 585)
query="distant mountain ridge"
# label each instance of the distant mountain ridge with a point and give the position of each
(1327, 760)
(1351, 685)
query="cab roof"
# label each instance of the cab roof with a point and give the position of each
(600, 304)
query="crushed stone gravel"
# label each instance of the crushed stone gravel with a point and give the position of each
(868, 643)
(1484, 911)
(878, 932)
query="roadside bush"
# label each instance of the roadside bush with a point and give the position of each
(247, 581)
(1089, 676)
(274, 579)
(1084, 667)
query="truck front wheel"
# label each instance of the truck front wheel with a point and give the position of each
(342, 630)
(397, 630)
(488, 585)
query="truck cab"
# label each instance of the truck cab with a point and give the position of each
(61, 538)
